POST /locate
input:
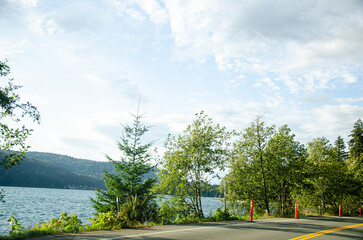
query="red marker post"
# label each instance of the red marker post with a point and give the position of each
(340, 210)
(360, 211)
(251, 211)
(295, 209)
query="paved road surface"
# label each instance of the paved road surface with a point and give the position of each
(316, 228)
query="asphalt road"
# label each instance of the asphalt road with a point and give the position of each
(317, 228)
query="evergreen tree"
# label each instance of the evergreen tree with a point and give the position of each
(126, 182)
(356, 141)
(340, 148)
(355, 161)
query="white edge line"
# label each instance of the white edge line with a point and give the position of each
(161, 232)
(181, 230)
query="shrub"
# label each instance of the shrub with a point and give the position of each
(15, 226)
(108, 221)
(221, 215)
(64, 224)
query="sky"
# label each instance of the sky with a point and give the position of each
(86, 64)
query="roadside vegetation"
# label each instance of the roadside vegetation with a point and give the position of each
(264, 163)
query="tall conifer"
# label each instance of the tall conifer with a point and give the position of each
(128, 181)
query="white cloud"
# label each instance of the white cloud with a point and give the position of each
(140, 10)
(348, 100)
(291, 40)
(176, 122)
(331, 120)
(296, 54)
(157, 14)
(30, 3)
(267, 83)
(9, 47)
(349, 78)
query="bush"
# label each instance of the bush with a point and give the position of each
(139, 210)
(221, 215)
(69, 224)
(15, 226)
(108, 221)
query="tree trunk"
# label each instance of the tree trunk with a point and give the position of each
(262, 169)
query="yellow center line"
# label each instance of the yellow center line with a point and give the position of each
(311, 235)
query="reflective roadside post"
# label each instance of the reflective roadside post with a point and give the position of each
(295, 209)
(360, 211)
(340, 210)
(251, 211)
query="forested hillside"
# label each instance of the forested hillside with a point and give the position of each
(55, 171)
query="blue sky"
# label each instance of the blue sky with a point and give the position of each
(86, 64)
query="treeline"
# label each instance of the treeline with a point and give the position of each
(264, 163)
(48, 170)
(270, 166)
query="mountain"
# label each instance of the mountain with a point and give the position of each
(48, 170)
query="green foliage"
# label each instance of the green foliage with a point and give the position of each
(250, 166)
(15, 226)
(186, 219)
(108, 221)
(326, 178)
(222, 215)
(355, 161)
(65, 224)
(126, 182)
(339, 146)
(272, 162)
(191, 160)
(49, 173)
(356, 141)
(12, 110)
(285, 157)
(138, 210)
(173, 209)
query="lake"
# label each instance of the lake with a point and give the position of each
(36, 205)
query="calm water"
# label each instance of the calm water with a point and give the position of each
(36, 205)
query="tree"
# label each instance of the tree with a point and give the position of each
(191, 160)
(355, 163)
(126, 182)
(285, 159)
(355, 160)
(251, 164)
(340, 148)
(356, 141)
(325, 183)
(264, 167)
(12, 112)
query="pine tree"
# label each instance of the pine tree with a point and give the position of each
(355, 161)
(356, 141)
(126, 182)
(340, 148)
